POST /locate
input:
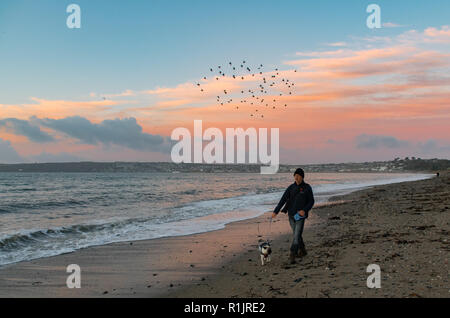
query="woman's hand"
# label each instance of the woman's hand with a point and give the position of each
(301, 213)
(274, 215)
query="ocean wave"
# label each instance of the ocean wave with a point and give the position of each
(12, 207)
(19, 240)
(20, 190)
(43, 243)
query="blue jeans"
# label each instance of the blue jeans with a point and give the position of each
(297, 231)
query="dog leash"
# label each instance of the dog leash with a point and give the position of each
(270, 230)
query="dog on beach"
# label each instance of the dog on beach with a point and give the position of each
(265, 251)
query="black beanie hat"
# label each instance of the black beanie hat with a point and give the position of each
(300, 172)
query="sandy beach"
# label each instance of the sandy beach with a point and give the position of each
(403, 227)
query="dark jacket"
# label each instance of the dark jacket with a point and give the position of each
(297, 197)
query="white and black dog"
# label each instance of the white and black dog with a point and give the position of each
(265, 251)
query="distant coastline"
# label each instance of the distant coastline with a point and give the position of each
(397, 165)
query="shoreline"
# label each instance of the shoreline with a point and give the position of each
(202, 265)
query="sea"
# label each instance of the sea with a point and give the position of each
(47, 214)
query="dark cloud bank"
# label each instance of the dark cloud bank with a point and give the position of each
(122, 132)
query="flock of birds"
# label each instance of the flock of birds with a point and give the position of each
(268, 94)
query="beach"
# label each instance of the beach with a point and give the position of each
(402, 227)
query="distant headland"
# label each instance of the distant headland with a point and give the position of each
(397, 165)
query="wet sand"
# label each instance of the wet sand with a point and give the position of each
(403, 227)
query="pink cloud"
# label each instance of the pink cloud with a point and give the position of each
(438, 35)
(55, 108)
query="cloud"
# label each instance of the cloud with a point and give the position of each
(27, 129)
(355, 64)
(438, 35)
(124, 132)
(190, 94)
(59, 108)
(378, 141)
(337, 44)
(428, 146)
(7, 153)
(432, 146)
(54, 157)
(430, 35)
(125, 93)
(391, 25)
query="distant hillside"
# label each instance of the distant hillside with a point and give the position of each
(397, 165)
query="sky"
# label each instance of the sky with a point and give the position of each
(115, 89)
